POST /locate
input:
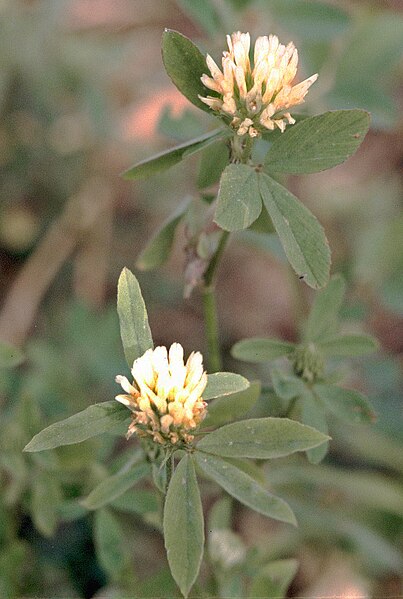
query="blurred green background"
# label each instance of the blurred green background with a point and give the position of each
(83, 95)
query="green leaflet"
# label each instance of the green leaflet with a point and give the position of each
(233, 406)
(224, 383)
(168, 158)
(263, 224)
(261, 438)
(347, 404)
(95, 420)
(244, 488)
(70, 510)
(300, 233)
(313, 414)
(258, 349)
(348, 345)
(185, 64)
(238, 202)
(250, 468)
(318, 143)
(114, 486)
(134, 328)
(183, 525)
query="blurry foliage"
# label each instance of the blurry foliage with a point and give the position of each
(62, 96)
(308, 386)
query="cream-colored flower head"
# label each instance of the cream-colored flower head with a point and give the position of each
(257, 96)
(166, 395)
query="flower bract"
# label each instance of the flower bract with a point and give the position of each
(255, 96)
(166, 395)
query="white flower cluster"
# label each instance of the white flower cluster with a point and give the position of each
(166, 395)
(257, 97)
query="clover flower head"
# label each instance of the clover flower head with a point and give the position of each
(166, 395)
(257, 96)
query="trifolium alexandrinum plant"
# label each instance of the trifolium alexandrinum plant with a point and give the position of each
(190, 418)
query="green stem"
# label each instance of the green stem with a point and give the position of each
(241, 148)
(214, 362)
(210, 308)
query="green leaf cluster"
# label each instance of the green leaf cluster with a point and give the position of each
(112, 490)
(313, 394)
(262, 438)
(312, 145)
(35, 483)
(216, 456)
(247, 196)
(136, 339)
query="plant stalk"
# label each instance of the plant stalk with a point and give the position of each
(241, 148)
(214, 361)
